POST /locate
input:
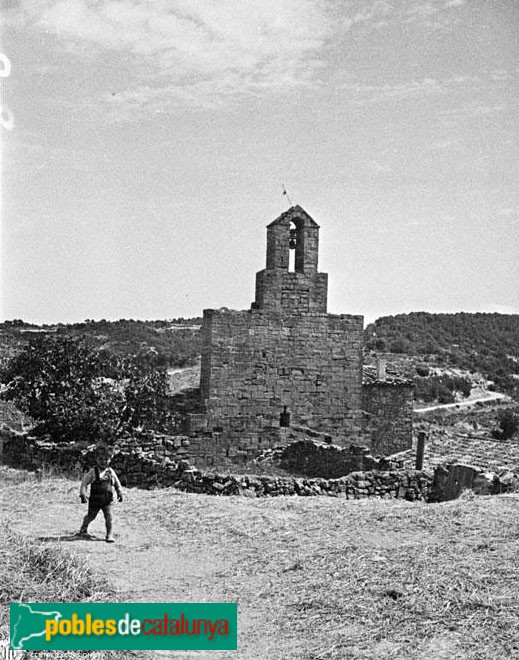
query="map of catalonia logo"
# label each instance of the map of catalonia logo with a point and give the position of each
(123, 626)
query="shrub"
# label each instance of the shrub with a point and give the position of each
(508, 424)
(78, 392)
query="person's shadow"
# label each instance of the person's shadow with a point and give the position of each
(70, 537)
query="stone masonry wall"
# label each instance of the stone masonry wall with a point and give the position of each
(316, 459)
(410, 485)
(256, 363)
(136, 467)
(389, 417)
(305, 289)
(280, 291)
(148, 469)
(24, 451)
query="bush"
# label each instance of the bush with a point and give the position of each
(78, 392)
(508, 424)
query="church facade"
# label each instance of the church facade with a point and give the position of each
(286, 363)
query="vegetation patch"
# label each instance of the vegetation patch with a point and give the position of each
(485, 343)
(77, 392)
(41, 572)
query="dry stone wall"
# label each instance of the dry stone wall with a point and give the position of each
(145, 469)
(451, 480)
(410, 485)
(317, 459)
(24, 451)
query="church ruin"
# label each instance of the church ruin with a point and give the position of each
(286, 367)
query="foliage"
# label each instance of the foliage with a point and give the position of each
(486, 343)
(441, 388)
(78, 392)
(41, 572)
(508, 425)
(175, 342)
(422, 370)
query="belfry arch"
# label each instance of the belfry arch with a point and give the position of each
(304, 288)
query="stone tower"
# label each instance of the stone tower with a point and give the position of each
(304, 290)
(285, 354)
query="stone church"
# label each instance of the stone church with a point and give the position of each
(285, 367)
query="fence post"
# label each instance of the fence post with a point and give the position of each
(420, 447)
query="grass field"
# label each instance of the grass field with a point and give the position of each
(315, 578)
(35, 572)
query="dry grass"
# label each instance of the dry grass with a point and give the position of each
(315, 578)
(341, 580)
(39, 572)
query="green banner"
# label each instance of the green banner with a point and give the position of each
(124, 626)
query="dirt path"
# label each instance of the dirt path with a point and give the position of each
(314, 578)
(177, 547)
(490, 396)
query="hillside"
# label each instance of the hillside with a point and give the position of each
(487, 344)
(175, 342)
(484, 343)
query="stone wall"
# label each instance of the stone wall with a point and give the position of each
(317, 459)
(410, 485)
(24, 451)
(145, 469)
(389, 416)
(254, 364)
(303, 290)
(451, 480)
(148, 468)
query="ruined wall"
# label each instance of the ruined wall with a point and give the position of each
(22, 450)
(136, 467)
(451, 480)
(153, 468)
(317, 459)
(255, 363)
(389, 417)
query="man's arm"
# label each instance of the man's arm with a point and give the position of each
(117, 484)
(85, 482)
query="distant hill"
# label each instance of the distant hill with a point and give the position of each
(176, 342)
(485, 343)
(488, 343)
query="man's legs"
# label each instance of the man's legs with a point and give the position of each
(107, 512)
(90, 517)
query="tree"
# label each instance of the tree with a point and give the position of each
(508, 425)
(77, 392)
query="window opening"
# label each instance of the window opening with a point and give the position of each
(292, 242)
(284, 418)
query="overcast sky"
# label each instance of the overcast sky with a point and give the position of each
(151, 140)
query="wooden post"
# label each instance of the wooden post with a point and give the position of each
(420, 447)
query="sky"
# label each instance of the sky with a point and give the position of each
(146, 143)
